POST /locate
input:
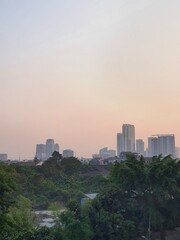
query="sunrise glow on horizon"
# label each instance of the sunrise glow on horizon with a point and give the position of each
(75, 71)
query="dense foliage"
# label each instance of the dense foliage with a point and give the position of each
(49, 186)
(137, 199)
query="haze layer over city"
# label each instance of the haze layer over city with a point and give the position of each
(75, 71)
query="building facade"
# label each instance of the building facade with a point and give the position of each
(56, 147)
(163, 144)
(49, 148)
(126, 139)
(40, 151)
(140, 146)
(67, 153)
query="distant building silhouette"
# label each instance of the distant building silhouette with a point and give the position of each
(126, 139)
(45, 151)
(56, 147)
(68, 153)
(49, 148)
(119, 143)
(40, 151)
(140, 146)
(105, 153)
(161, 144)
(3, 157)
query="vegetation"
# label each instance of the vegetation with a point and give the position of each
(137, 199)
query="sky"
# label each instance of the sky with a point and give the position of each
(76, 70)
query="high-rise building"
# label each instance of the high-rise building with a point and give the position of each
(56, 147)
(67, 153)
(45, 151)
(49, 148)
(119, 143)
(167, 145)
(40, 151)
(153, 148)
(126, 139)
(161, 145)
(140, 146)
(128, 132)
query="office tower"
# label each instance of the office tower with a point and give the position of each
(68, 153)
(119, 143)
(40, 151)
(128, 132)
(126, 139)
(56, 147)
(3, 157)
(49, 148)
(161, 144)
(140, 146)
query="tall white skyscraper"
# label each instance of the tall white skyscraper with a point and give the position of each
(126, 139)
(49, 148)
(128, 132)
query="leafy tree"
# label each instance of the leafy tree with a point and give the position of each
(141, 196)
(73, 224)
(19, 216)
(164, 194)
(6, 200)
(109, 216)
(71, 165)
(43, 233)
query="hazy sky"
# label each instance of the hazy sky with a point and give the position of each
(76, 70)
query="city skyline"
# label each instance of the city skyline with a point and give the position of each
(77, 70)
(43, 152)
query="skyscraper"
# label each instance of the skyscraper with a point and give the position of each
(153, 148)
(44, 151)
(49, 148)
(140, 146)
(40, 151)
(161, 144)
(119, 143)
(128, 132)
(167, 144)
(126, 139)
(56, 147)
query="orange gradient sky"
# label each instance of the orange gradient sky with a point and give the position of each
(77, 70)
